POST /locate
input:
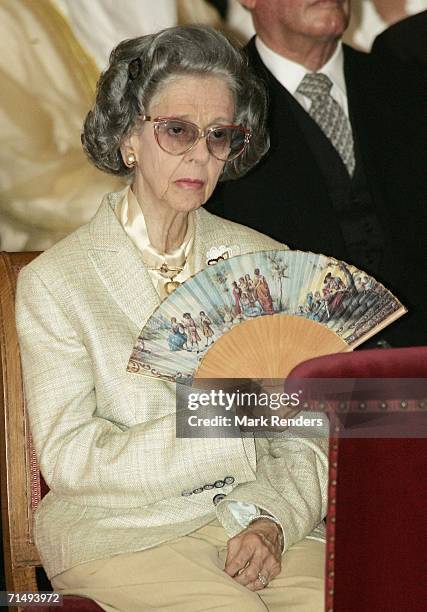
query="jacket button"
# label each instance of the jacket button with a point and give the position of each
(218, 498)
(229, 480)
(187, 493)
(219, 484)
(198, 490)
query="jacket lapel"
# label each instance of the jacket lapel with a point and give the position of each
(119, 264)
(211, 233)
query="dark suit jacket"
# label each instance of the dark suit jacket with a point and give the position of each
(286, 195)
(406, 39)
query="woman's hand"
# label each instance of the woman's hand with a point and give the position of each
(255, 552)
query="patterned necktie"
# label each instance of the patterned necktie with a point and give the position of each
(329, 116)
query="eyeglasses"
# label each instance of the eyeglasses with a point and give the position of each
(175, 136)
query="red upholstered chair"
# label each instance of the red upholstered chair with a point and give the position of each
(22, 486)
(376, 548)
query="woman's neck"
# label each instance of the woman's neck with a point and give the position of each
(166, 228)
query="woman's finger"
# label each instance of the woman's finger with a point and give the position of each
(238, 557)
(260, 583)
(266, 574)
(250, 573)
(248, 552)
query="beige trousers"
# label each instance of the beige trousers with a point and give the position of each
(186, 575)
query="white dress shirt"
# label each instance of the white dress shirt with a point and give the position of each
(290, 74)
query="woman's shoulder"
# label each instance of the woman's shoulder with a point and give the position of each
(217, 228)
(68, 255)
(65, 254)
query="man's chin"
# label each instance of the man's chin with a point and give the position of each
(330, 23)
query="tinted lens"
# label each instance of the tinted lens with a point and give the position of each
(176, 136)
(226, 143)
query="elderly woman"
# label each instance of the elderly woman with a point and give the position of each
(137, 519)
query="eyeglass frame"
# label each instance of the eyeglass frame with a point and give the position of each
(202, 134)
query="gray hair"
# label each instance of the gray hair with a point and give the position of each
(139, 67)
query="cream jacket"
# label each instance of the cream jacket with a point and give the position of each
(105, 438)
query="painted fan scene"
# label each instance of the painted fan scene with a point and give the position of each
(204, 308)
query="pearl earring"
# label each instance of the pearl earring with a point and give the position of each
(130, 160)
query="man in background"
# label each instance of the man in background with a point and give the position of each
(345, 174)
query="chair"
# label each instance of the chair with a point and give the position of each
(22, 485)
(376, 556)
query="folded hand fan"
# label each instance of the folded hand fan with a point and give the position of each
(258, 315)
